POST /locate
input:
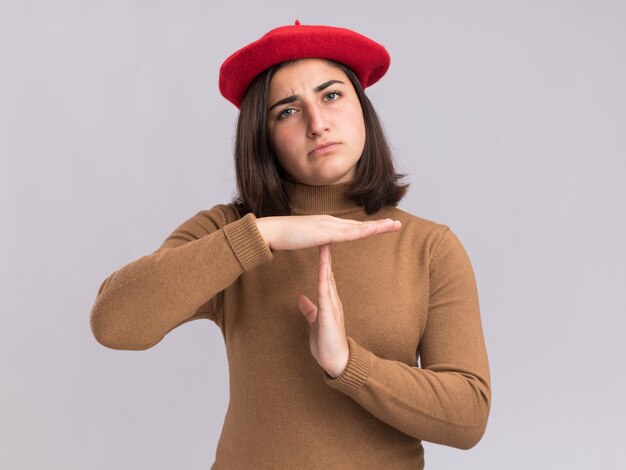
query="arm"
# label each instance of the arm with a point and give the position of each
(140, 303)
(447, 400)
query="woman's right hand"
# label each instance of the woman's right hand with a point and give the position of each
(305, 231)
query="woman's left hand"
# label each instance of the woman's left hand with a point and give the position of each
(327, 336)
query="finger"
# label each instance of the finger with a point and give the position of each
(308, 308)
(368, 229)
(383, 225)
(336, 222)
(325, 253)
(352, 222)
(328, 258)
(324, 300)
(334, 295)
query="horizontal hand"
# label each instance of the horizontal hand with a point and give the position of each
(305, 231)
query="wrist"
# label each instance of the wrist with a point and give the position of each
(340, 367)
(264, 229)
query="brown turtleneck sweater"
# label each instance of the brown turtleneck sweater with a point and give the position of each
(406, 295)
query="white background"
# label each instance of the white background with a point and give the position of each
(509, 116)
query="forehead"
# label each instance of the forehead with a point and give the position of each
(305, 73)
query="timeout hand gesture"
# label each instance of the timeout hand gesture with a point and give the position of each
(327, 337)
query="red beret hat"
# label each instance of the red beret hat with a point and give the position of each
(367, 59)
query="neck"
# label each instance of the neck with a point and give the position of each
(332, 200)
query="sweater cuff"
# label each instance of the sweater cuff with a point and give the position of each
(247, 242)
(356, 371)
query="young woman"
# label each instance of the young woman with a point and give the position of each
(323, 351)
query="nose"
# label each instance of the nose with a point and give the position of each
(316, 124)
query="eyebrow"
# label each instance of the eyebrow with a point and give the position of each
(292, 98)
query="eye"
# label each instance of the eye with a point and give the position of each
(283, 114)
(333, 95)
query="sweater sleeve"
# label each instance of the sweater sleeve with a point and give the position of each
(446, 401)
(137, 305)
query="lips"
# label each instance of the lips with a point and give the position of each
(323, 148)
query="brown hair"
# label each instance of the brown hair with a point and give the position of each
(260, 177)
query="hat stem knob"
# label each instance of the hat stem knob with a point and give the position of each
(297, 23)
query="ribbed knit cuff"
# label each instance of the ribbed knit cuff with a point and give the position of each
(247, 242)
(356, 372)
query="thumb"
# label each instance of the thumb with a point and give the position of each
(308, 308)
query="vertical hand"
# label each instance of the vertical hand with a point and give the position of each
(327, 336)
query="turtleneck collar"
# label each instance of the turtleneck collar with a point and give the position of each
(331, 200)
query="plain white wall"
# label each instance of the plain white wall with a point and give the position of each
(509, 116)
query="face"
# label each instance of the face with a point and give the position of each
(315, 122)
